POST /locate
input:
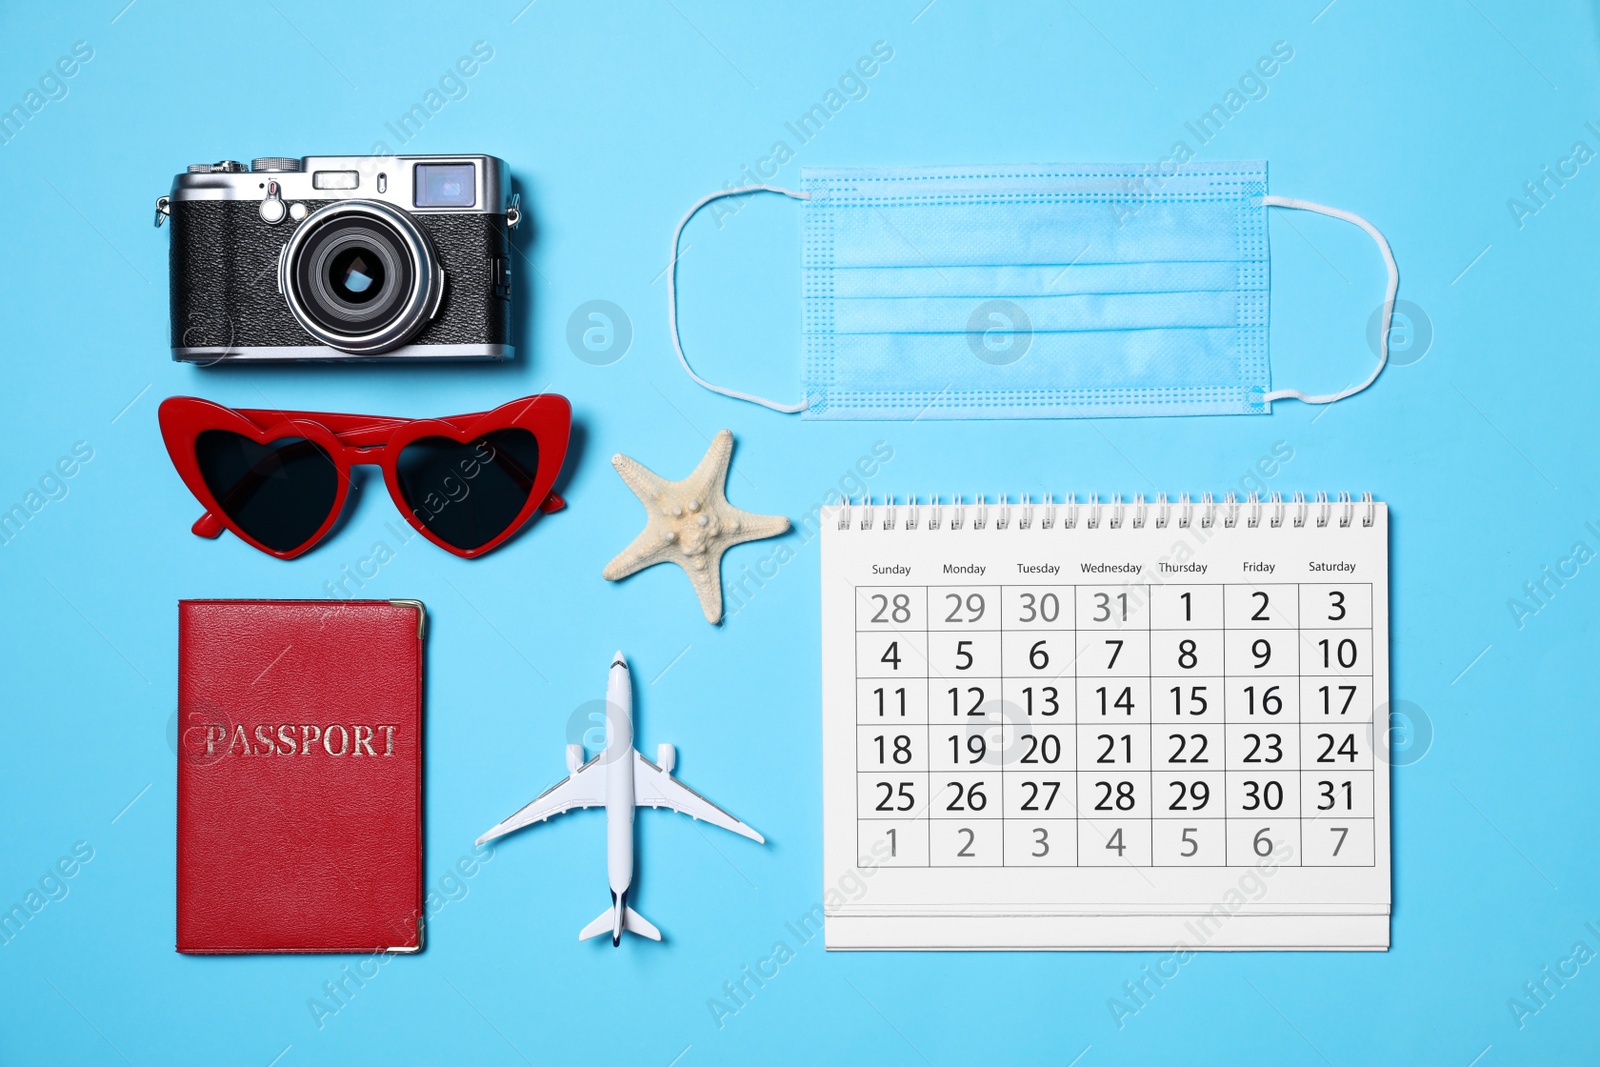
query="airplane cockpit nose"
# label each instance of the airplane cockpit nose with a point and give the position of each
(618, 660)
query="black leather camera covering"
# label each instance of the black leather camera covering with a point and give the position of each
(224, 278)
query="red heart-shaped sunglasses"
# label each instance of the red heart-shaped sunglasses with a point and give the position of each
(278, 479)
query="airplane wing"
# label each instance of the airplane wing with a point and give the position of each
(656, 788)
(583, 788)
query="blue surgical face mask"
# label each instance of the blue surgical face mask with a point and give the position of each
(1037, 292)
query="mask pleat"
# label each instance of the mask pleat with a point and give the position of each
(1035, 291)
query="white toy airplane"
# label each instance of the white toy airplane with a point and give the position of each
(622, 779)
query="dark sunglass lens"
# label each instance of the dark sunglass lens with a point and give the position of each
(280, 493)
(469, 493)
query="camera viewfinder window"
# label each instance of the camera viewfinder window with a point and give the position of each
(446, 185)
(335, 179)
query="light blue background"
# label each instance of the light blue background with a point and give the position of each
(1424, 117)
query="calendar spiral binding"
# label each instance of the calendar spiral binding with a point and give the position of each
(934, 514)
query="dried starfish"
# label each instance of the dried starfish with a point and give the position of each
(690, 523)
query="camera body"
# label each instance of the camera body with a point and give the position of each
(341, 258)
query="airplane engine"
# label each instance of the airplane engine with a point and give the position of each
(666, 757)
(574, 757)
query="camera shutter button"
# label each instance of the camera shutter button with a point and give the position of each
(272, 208)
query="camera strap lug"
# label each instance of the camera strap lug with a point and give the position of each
(513, 211)
(163, 209)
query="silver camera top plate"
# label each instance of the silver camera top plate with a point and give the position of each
(390, 179)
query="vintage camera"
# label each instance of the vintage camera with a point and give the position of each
(341, 258)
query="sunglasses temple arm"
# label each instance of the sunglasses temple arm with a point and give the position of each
(207, 525)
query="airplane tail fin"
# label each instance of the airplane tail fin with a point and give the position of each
(635, 923)
(607, 922)
(602, 925)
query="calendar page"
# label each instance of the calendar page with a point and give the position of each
(1106, 726)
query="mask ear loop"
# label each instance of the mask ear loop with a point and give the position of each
(672, 295)
(1388, 296)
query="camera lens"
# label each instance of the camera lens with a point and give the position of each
(353, 274)
(356, 274)
(361, 276)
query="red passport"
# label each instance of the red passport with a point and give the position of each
(299, 776)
